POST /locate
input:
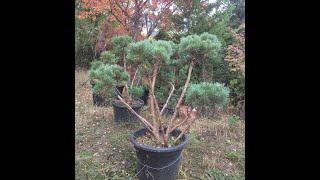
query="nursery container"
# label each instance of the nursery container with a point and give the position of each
(121, 112)
(158, 163)
(145, 96)
(167, 111)
(98, 100)
(120, 89)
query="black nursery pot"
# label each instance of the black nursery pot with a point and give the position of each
(167, 111)
(120, 89)
(145, 96)
(121, 112)
(98, 100)
(158, 163)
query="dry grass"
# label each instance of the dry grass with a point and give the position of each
(103, 150)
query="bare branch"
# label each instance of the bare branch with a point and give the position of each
(193, 117)
(180, 124)
(154, 118)
(152, 83)
(117, 18)
(180, 100)
(142, 120)
(118, 91)
(151, 102)
(166, 104)
(134, 78)
(144, 3)
(184, 130)
(146, 21)
(138, 81)
(123, 11)
(154, 26)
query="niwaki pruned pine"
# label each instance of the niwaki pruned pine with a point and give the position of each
(150, 57)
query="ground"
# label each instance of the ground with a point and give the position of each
(103, 150)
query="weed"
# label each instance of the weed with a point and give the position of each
(233, 156)
(233, 119)
(216, 174)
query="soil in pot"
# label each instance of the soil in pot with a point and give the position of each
(157, 163)
(121, 112)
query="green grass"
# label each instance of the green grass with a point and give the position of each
(234, 156)
(217, 174)
(103, 150)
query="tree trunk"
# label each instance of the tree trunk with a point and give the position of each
(169, 129)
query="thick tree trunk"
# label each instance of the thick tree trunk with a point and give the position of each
(153, 102)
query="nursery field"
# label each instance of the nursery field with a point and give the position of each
(216, 148)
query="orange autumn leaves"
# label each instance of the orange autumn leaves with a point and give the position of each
(236, 52)
(138, 18)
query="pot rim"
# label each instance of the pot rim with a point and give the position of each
(154, 149)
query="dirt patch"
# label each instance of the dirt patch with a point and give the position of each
(208, 135)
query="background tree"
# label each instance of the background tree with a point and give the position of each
(198, 16)
(236, 61)
(86, 32)
(132, 16)
(239, 14)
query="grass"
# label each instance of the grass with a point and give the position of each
(103, 150)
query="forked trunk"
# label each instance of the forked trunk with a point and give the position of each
(156, 129)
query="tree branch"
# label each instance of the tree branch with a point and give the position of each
(180, 99)
(134, 77)
(166, 104)
(119, 20)
(124, 12)
(184, 130)
(152, 104)
(156, 22)
(154, 77)
(180, 124)
(143, 120)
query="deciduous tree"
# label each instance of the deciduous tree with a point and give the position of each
(131, 16)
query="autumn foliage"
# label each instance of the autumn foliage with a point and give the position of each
(138, 18)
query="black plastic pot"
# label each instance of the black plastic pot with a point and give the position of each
(99, 101)
(145, 96)
(167, 111)
(120, 89)
(122, 114)
(158, 163)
